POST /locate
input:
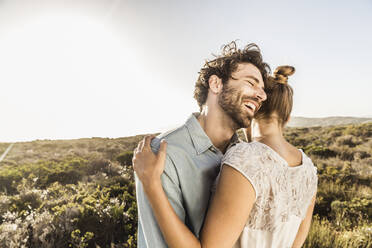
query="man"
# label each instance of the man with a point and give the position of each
(229, 91)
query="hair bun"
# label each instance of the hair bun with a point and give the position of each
(281, 73)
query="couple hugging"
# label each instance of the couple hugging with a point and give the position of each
(200, 186)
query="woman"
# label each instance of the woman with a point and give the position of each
(264, 194)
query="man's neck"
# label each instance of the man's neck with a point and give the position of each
(218, 127)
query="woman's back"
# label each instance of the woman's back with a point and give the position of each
(287, 151)
(283, 192)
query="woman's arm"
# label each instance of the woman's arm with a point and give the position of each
(305, 226)
(227, 213)
(229, 209)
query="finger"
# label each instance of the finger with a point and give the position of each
(140, 145)
(148, 140)
(162, 150)
(134, 160)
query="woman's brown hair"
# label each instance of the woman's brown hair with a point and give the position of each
(279, 96)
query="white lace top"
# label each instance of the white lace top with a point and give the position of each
(283, 194)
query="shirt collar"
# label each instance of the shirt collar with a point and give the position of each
(234, 140)
(199, 137)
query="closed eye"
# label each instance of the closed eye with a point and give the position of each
(252, 84)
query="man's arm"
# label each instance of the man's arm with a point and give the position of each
(149, 234)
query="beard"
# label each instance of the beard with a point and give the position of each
(230, 101)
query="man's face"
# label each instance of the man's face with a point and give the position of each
(243, 94)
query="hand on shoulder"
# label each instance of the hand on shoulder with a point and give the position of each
(148, 165)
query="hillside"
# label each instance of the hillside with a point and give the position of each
(63, 193)
(326, 121)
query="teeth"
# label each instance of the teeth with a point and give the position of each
(251, 105)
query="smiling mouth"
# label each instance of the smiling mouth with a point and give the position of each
(251, 106)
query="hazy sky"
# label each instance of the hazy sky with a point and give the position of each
(114, 68)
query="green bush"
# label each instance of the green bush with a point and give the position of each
(323, 234)
(320, 151)
(125, 158)
(64, 193)
(353, 209)
(86, 207)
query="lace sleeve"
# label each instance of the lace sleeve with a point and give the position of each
(243, 158)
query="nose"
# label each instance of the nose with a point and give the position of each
(261, 94)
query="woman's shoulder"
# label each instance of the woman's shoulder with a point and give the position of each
(245, 153)
(248, 148)
(308, 163)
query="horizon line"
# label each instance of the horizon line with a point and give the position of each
(159, 130)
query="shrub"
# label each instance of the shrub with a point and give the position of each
(357, 207)
(348, 140)
(322, 234)
(72, 216)
(320, 151)
(53, 198)
(125, 158)
(346, 154)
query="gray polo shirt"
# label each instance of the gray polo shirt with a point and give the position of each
(192, 164)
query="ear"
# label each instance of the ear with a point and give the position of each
(215, 84)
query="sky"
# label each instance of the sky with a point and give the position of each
(115, 68)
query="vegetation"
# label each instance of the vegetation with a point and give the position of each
(3, 147)
(343, 210)
(69, 193)
(80, 193)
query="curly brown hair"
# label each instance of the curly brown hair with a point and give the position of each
(225, 64)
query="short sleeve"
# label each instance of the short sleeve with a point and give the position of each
(244, 158)
(312, 175)
(309, 181)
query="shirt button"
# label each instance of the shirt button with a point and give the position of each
(213, 149)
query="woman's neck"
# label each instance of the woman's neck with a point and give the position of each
(269, 132)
